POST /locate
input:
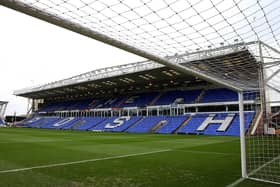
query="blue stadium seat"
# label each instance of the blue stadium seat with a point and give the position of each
(219, 95)
(233, 130)
(125, 125)
(146, 124)
(48, 122)
(64, 123)
(2, 122)
(87, 123)
(140, 100)
(33, 122)
(101, 126)
(173, 122)
(169, 97)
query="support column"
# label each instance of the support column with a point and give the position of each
(242, 135)
(1, 111)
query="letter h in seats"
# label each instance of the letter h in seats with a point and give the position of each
(225, 123)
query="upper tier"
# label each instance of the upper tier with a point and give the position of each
(148, 99)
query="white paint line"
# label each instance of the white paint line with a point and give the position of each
(238, 181)
(204, 152)
(81, 161)
(264, 165)
(253, 172)
(35, 141)
(263, 180)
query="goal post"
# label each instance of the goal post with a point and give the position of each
(262, 146)
(242, 135)
(260, 154)
(172, 34)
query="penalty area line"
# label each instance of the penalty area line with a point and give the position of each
(81, 161)
(238, 181)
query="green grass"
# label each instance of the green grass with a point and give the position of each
(184, 160)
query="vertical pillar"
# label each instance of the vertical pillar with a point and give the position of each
(242, 135)
(1, 111)
(263, 86)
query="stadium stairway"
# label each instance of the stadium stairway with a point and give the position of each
(119, 104)
(125, 124)
(40, 123)
(64, 123)
(153, 102)
(100, 127)
(49, 122)
(158, 126)
(199, 97)
(1, 122)
(183, 124)
(77, 124)
(257, 124)
(32, 122)
(172, 124)
(135, 124)
(146, 124)
(87, 123)
(70, 123)
(233, 129)
(187, 124)
(152, 98)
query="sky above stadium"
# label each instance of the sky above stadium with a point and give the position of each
(34, 52)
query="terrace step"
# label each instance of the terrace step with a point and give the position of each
(198, 99)
(78, 124)
(156, 99)
(183, 124)
(43, 122)
(135, 124)
(256, 126)
(121, 102)
(158, 126)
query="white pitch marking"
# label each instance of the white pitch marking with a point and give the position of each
(38, 141)
(203, 152)
(253, 172)
(81, 161)
(238, 181)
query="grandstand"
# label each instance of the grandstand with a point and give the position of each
(3, 106)
(152, 99)
(209, 69)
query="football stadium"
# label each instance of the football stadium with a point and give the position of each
(199, 111)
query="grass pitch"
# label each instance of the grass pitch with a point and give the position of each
(35, 157)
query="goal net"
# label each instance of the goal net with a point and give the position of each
(173, 32)
(263, 136)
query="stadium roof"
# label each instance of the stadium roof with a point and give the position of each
(229, 62)
(3, 102)
(157, 30)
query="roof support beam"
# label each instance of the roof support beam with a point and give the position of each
(271, 48)
(29, 10)
(271, 76)
(273, 88)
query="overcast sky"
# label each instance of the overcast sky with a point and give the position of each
(35, 52)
